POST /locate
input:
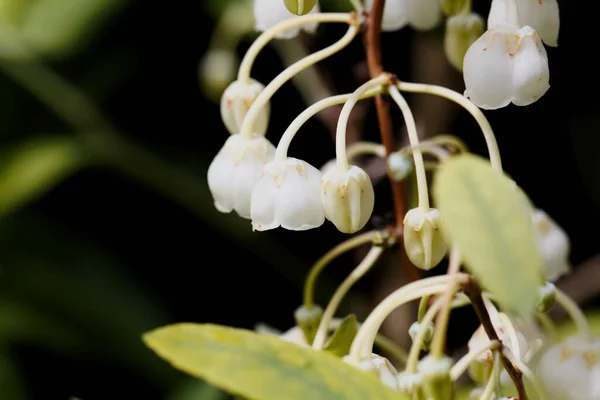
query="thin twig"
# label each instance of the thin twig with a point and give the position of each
(473, 291)
(372, 44)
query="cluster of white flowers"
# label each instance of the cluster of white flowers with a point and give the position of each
(507, 63)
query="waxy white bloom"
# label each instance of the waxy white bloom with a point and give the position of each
(348, 198)
(419, 14)
(235, 170)
(505, 65)
(382, 368)
(288, 194)
(462, 30)
(423, 238)
(481, 368)
(541, 15)
(554, 244)
(237, 100)
(269, 13)
(570, 370)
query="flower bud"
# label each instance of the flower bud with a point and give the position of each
(235, 170)
(437, 383)
(409, 383)
(308, 320)
(348, 198)
(462, 31)
(288, 194)
(237, 100)
(423, 238)
(416, 327)
(547, 297)
(399, 165)
(554, 245)
(299, 7)
(382, 368)
(570, 370)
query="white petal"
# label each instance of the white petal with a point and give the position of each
(288, 194)
(237, 100)
(488, 69)
(269, 13)
(424, 14)
(235, 170)
(531, 74)
(395, 14)
(348, 198)
(312, 28)
(498, 14)
(543, 16)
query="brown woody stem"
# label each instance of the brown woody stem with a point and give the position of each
(372, 44)
(473, 291)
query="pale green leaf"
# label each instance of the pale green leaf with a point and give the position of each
(487, 218)
(340, 342)
(262, 367)
(29, 169)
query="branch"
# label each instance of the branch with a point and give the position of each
(473, 291)
(372, 44)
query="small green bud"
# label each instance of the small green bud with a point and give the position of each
(437, 383)
(416, 327)
(409, 383)
(340, 342)
(399, 165)
(308, 320)
(300, 7)
(547, 297)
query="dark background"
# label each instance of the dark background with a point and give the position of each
(95, 252)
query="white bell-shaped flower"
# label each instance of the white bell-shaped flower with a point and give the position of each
(423, 238)
(554, 244)
(237, 100)
(419, 14)
(348, 198)
(235, 170)
(288, 194)
(382, 368)
(570, 370)
(462, 30)
(506, 65)
(541, 15)
(269, 13)
(481, 368)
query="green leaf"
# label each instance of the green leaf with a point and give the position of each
(262, 367)
(30, 169)
(487, 218)
(340, 342)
